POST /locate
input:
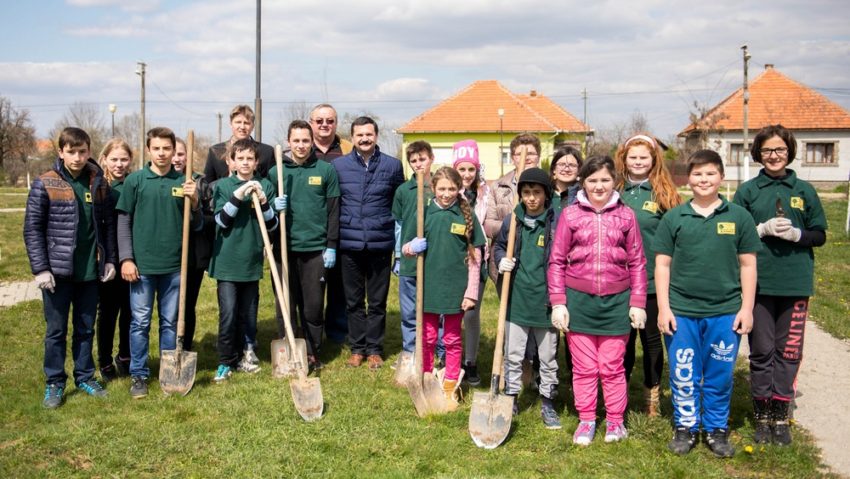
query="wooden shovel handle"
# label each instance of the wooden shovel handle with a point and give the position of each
(420, 272)
(499, 353)
(184, 251)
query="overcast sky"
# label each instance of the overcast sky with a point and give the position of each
(398, 58)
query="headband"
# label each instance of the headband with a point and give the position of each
(641, 137)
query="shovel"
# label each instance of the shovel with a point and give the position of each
(284, 357)
(491, 414)
(177, 367)
(306, 392)
(424, 388)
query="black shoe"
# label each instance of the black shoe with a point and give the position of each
(313, 364)
(122, 367)
(470, 375)
(683, 441)
(781, 428)
(108, 373)
(761, 414)
(439, 364)
(138, 387)
(718, 442)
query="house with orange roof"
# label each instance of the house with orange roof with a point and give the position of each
(821, 127)
(492, 115)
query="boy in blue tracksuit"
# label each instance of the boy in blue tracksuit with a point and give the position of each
(705, 279)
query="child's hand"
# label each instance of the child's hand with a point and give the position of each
(743, 322)
(129, 272)
(415, 246)
(467, 304)
(666, 322)
(773, 227)
(243, 190)
(506, 265)
(561, 317)
(280, 203)
(637, 317)
(261, 195)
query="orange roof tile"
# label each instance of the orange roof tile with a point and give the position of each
(475, 109)
(775, 98)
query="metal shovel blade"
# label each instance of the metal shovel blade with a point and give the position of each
(490, 419)
(283, 361)
(405, 370)
(307, 396)
(177, 371)
(427, 395)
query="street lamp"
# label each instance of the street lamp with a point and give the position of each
(112, 108)
(501, 113)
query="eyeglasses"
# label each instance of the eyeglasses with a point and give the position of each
(566, 166)
(766, 152)
(322, 121)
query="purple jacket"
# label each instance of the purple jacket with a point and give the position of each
(597, 253)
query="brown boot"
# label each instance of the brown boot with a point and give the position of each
(449, 388)
(653, 400)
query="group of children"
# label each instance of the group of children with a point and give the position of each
(606, 251)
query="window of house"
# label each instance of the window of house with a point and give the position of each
(736, 154)
(506, 155)
(820, 153)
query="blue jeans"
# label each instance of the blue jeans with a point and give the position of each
(702, 353)
(407, 305)
(57, 305)
(166, 288)
(237, 310)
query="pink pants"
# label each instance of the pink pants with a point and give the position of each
(451, 340)
(594, 358)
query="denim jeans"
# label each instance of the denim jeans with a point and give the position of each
(57, 305)
(166, 289)
(407, 305)
(237, 308)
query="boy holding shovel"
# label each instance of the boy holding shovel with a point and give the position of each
(312, 225)
(237, 258)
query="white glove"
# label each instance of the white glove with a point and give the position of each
(561, 317)
(244, 190)
(108, 273)
(638, 317)
(506, 265)
(773, 227)
(44, 280)
(792, 234)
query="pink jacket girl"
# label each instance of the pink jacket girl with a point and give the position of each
(597, 284)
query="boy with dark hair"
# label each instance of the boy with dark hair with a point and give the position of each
(237, 259)
(420, 156)
(150, 227)
(70, 239)
(312, 223)
(705, 280)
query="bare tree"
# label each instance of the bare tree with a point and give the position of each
(17, 139)
(389, 141)
(638, 123)
(88, 117)
(297, 110)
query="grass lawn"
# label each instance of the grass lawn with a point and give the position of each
(249, 427)
(830, 306)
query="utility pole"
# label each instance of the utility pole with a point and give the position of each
(141, 72)
(746, 152)
(501, 112)
(258, 102)
(219, 126)
(584, 119)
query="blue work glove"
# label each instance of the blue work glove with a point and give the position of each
(281, 202)
(329, 257)
(396, 266)
(418, 245)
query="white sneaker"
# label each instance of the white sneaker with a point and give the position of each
(246, 366)
(250, 356)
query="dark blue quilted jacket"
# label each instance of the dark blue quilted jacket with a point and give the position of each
(365, 204)
(50, 224)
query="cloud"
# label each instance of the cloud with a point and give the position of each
(125, 5)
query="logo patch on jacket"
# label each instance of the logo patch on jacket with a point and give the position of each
(797, 203)
(88, 197)
(458, 229)
(650, 206)
(540, 240)
(314, 181)
(725, 228)
(177, 191)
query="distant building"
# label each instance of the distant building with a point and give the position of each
(822, 128)
(474, 113)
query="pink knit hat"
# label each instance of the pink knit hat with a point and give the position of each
(466, 151)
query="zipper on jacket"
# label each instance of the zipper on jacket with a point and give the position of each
(599, 252)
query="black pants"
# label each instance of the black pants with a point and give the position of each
(650, 341)
(194, 278)
(237, 308)
(336, 321)
(113, 307)
(307, 296)
(776, 345)
(366, 278)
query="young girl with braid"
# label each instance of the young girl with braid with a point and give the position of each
(645, 185)
(452, 268)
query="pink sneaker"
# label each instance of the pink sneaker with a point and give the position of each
(585, 432)
(615, 432)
